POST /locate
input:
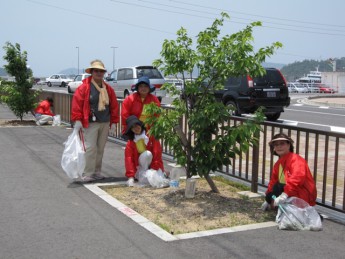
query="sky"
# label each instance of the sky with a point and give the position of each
(60, 34)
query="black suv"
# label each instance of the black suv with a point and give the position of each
(246, 94)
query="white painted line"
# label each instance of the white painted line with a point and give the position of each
(323, 107)
(155, 229)
(337, 129)
(226, 230)
(298, 104)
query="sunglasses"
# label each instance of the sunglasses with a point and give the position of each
(98, 71)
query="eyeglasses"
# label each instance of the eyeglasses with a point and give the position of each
(98, 71)
(279, 143)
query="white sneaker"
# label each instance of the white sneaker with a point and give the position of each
(130, 182)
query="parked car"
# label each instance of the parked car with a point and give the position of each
(296, 87)
(326, 89)
(59, 80)
(72, 86)
(124, 79)
(177, 82)
(245, 94)
(312, 88)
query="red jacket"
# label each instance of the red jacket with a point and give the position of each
(132, 156)
(81, 106)
(298, 178)
(44, 108)
(133, 105)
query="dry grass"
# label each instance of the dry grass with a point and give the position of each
(207, 210)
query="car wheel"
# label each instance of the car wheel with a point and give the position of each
(49, 84)
(63, 84)
(125, 94)
(273, 117)
(69, 89)
(233, 108)
(160, 99)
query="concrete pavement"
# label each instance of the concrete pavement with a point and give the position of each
(44, 215)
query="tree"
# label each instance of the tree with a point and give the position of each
(207, 142)
(17, 95)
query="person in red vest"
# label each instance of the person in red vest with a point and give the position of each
(142, 152)
(134, 104)
(95, 110)
(291, 175)
(43, 113)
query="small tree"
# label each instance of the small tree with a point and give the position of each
(17, 95)
(207, 142)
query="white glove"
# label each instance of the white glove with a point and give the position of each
(112, 129)
(78, 126)
(130, 182)
(281, 199)
(265, 206)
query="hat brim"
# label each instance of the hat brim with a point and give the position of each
(282, 139)
(131, 124)
(152, 87)
(88, 70)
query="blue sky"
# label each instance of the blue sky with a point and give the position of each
(50, 30)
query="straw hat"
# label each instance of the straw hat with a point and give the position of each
(95, 64)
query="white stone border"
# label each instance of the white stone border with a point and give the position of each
(155, 229)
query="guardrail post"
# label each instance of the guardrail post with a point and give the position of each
(255, 168)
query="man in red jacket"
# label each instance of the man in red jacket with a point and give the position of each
(134, 104)
(43, 113)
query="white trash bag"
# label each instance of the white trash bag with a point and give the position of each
(296, 214)
(73, 156)
(154, 178)
(56, 120)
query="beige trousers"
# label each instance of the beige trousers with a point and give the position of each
(96, 136)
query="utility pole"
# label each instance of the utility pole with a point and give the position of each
(113, 56)
(78, 59)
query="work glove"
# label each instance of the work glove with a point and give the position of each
(78, 126)
(265, 206)
(280, 199)
(112, 129)
(130, 182)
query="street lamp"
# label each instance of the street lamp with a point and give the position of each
(113, 56)
(78, 59)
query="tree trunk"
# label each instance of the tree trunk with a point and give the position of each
(211, 184)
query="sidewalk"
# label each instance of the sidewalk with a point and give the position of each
(44, 215)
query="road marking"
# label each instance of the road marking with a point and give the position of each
(323, 113)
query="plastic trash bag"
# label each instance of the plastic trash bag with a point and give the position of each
(73, 156)
(154, 178)
(296, 214)
(56, 120)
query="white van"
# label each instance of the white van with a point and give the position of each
(123, 80)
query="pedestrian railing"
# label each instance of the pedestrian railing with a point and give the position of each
(323, 150)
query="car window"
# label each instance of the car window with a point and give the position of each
(129, 74)
(233, 81)
(78, 78)
(151, 73)
(121, 74)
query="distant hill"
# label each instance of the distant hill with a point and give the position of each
(301, 68)
(70, 71)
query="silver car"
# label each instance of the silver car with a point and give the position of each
(77, 81)
(124, 79)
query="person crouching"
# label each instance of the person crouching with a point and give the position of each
(142, 152)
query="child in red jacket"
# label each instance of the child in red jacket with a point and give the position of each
(142, 152)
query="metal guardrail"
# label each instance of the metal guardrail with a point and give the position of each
(324, 152)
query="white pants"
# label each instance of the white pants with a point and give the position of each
(44, 119)
(96, 136)
(145, 160)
